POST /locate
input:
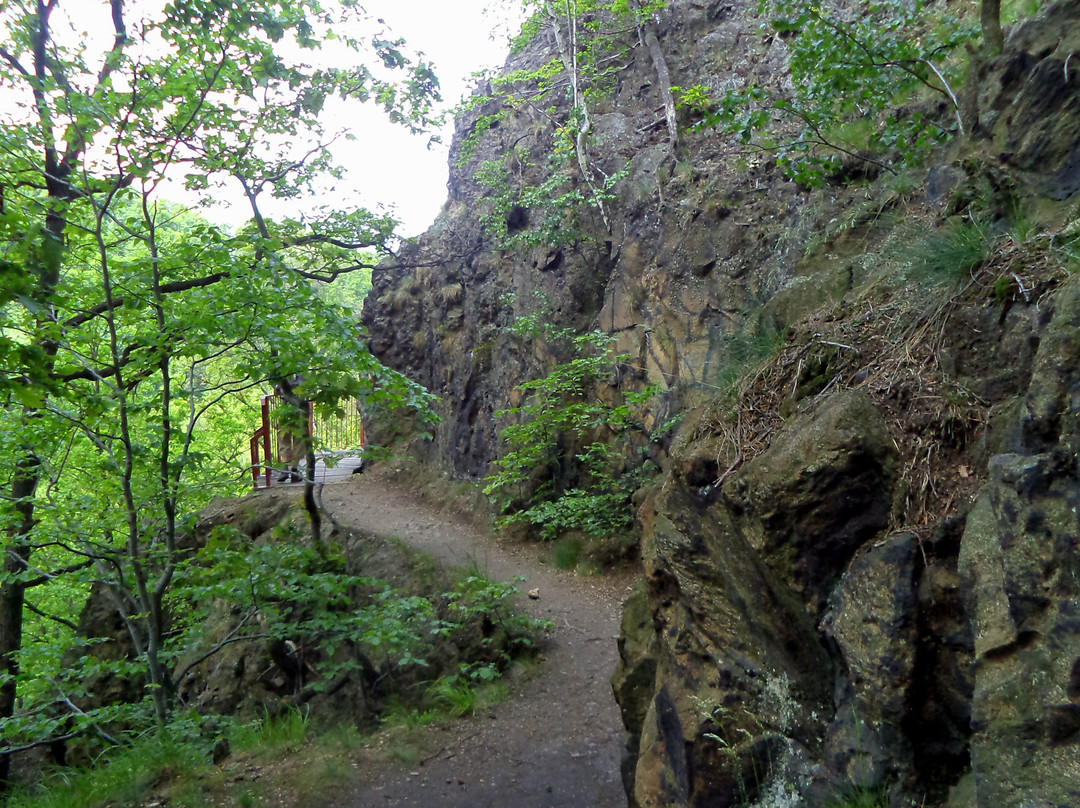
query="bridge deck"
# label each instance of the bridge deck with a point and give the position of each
(342, 470)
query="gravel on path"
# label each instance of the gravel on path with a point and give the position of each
(558, 739)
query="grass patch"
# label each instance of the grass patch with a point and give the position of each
(405, 753)
(862, 797)
(122, 776)
(455, 696)
(405, 716)
(271, 735)
(747, 350)
(285, 751)
(567, 553)
(950, 253)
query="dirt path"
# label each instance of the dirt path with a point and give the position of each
(557, 740)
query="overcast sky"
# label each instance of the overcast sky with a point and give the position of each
(387, 166)
(460, 37)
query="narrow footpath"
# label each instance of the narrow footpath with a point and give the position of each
(557, 740)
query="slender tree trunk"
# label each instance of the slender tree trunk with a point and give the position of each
(310, 503)
(287, 395)
(27, 475)
(169, 481)
(992, 35)
(648, 36)
(28, 469)
(568, 54)
(13, 593)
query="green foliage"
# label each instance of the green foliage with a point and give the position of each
(478, 596)
(567, 553)
(862, 797)
(475, 686)
(398, 713)
(561, 470)
(549, 213)
(283, 593)
(534, 202)
(285, 590)
(174, 765)
(124, 775)
(456, 696)
(747, 349)
(272, 735)
(348, 291)
(856, 88)
(132, 331)
(1013, 10)
(1022, 227)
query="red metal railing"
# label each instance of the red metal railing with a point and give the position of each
(261, 461)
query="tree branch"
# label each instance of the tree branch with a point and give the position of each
(823, 141)
(648, 34)
(318, 238)
(26, 747)
(113, 57)
(27, 604)
(8, 57)
(167, 288)
(229, 639)
(45, 577)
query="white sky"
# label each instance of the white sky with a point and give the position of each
(388, 168)
(459, 37)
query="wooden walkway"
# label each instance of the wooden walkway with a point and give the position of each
(342, 471)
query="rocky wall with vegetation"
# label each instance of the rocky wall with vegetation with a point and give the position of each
(860, 556)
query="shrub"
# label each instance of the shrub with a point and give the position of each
(562, 470)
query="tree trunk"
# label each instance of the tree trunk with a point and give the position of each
(992, 35)
(310, 503)
(13, 594)
(648, 36)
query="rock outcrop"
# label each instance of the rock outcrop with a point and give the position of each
(868, 577)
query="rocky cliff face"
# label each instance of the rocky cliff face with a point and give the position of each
(695, 247)
(863, 574)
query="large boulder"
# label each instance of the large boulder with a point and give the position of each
(1020, 564)
(819, 491)
(1020, 574)
(744, 687)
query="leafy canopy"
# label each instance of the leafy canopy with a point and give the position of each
(135, 334)
(859, 86)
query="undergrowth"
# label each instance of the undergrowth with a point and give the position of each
(576, 448)
(952, 253)
(567, 553)
(862, 797)
(273, 734)
(175, 767)
(123, 776)
(174, 764)
(887, 336)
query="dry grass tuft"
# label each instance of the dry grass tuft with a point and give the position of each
(888, 343)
